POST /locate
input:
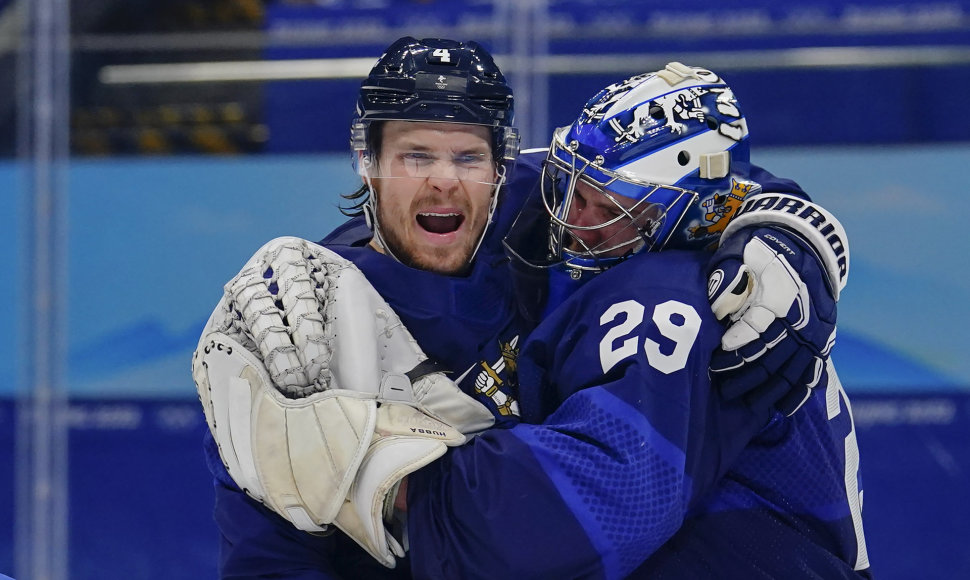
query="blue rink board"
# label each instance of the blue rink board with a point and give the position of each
(140, 495)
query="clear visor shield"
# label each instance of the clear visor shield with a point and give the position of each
(426, 164)
(599, 217)
(427, 152)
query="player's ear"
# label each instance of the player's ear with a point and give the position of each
(364, 164)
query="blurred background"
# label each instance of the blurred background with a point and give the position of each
(149, 147)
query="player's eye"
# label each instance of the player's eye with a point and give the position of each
(418, 157)
(470, 159)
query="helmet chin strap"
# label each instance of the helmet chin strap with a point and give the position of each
(491, 210)
(370, 217)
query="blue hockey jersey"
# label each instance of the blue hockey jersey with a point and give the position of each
(628, 464)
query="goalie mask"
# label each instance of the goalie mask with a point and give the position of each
(434, 81)
(653, 161)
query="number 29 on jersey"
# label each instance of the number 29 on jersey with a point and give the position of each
(675, 321)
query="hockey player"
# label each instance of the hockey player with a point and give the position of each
(431, 141)
(627, 463)
(257, 541)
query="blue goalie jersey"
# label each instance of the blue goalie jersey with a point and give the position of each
(628, 464)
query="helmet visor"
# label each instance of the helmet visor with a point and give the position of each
(432, 150)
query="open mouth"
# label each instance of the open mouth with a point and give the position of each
(440, 223)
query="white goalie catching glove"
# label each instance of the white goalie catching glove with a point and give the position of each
(318, 397)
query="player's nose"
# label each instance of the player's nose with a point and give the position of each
(443, 182)
(590, 237)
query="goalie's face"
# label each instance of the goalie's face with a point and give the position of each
(434, 184)
(604, 224)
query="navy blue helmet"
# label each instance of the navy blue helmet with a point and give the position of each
(437, 79)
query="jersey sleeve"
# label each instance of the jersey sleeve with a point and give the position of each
(790, 506)
(621, 435)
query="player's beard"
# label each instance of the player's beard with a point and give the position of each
(451, 260)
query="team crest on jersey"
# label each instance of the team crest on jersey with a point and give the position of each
(496, 380)
(721, 207)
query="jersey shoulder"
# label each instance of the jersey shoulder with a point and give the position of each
(519, 192)
(651, 278)
(353, 232)
(770, 183)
